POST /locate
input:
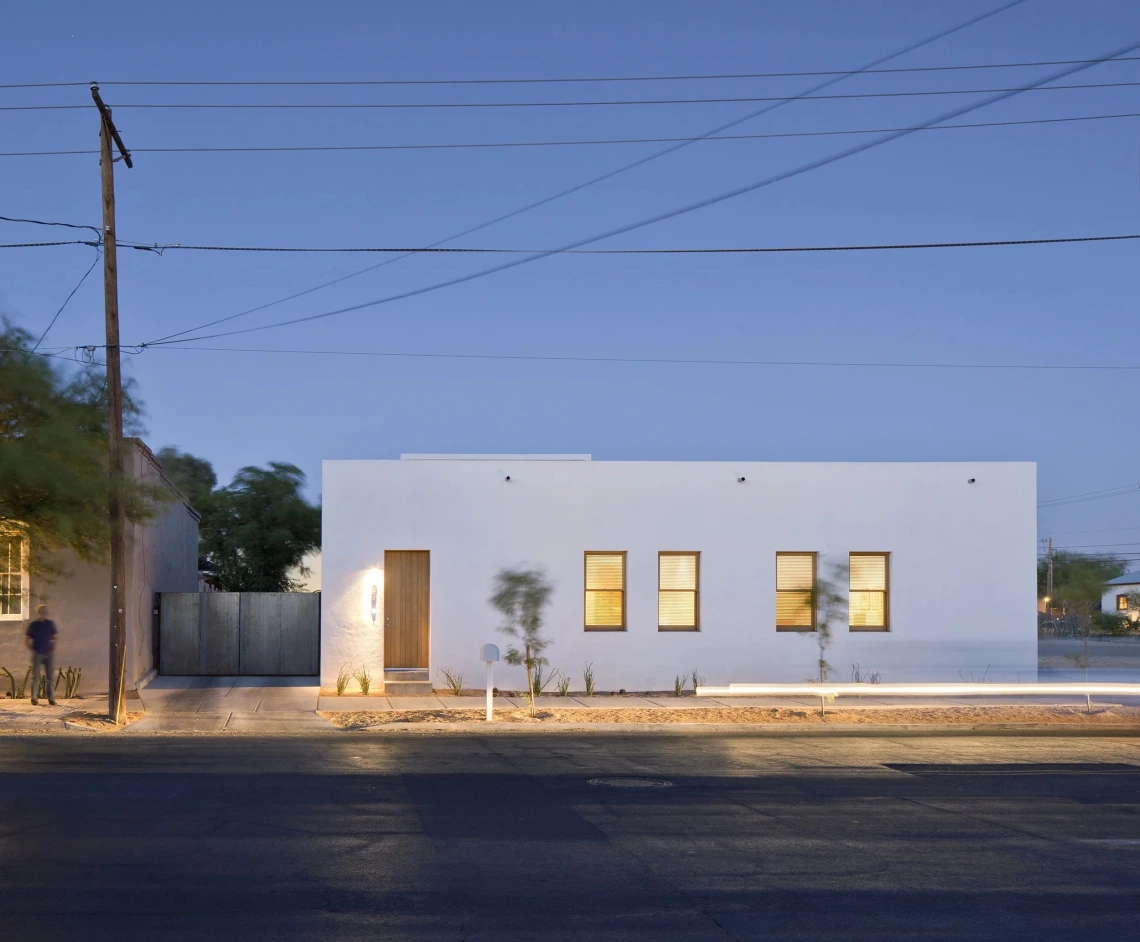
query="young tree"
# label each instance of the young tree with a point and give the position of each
(54, 484)
(521, 597)
(258, 528)
(830, 607)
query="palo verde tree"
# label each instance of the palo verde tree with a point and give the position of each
(521, 597)
(830, 607)
(55, 488)
(257, 529)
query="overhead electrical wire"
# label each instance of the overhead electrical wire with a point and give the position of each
(566, 143)
(660, 217)
(639, 162)
(1120, 491)
(743, 250)
(222, 83)
(389, 105)
(655, 361)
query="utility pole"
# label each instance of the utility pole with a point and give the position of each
(1049, 577)
(116, 681)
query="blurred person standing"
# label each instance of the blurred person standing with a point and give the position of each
(40, 639)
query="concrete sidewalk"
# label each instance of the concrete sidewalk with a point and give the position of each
(231, 704)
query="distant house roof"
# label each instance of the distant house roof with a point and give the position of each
(1129, 578)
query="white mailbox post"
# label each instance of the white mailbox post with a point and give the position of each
(490, 654)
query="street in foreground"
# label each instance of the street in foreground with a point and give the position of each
(412, 836)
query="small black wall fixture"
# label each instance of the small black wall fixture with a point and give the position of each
(507, 478)
(970, 480)
(740, 480)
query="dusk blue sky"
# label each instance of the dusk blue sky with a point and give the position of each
(1067, 304)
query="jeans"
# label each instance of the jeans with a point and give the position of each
(46, 661)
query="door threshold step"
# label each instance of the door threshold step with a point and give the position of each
(408, 688)
(407, 673)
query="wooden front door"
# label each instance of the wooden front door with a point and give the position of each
(406, 608)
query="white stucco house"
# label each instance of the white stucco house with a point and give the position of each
(662, 568)
(1116, 592)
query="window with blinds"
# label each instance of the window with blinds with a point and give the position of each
(678, 587)
(605, 591)
(11, 577)
(795, 591)
(1122, 603)
(869, 602)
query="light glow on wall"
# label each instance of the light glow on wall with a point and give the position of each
(373, 588)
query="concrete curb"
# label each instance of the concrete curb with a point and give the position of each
(755, 729)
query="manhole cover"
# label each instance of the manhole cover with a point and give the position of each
(623, 782)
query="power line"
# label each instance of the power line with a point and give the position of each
(566, 143)
(632, 165)
(572, 143)
(663, 361)
(559, 80)
(742, 250)
(1119, 491)
(700, 204)
(38, 245)
(1097, 530)
(389, 105)
(44, 222)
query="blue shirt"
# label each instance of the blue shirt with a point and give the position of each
(41, 631)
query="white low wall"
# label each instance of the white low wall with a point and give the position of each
(963, 562)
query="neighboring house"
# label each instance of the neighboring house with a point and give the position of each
(1116, 593)
(162, 556)
(661, 568)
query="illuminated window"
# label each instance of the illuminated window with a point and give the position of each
(1122, 603)
(605, 591)
(678, 602)
(869, 602)
(795, 591)
(11, 577)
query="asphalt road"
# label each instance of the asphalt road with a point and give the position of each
(400, 837)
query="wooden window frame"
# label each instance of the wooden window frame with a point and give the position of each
(25, 593)
(1122, 603)
(585, 588)
(814, 576)
(696, 626)
(886, 626)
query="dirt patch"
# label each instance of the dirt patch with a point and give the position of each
(886, 716)
(99, 721)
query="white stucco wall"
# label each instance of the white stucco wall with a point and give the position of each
(963, 561)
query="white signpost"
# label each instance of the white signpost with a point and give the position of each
(490, 654)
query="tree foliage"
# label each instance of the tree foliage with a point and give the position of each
(55, 488)
(521, 597)
(194, 477)
(1077, 578)
(258, 528)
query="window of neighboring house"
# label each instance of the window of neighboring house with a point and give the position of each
(13, 580)
(678, 601)
(605, 591)
(869, 601)
(1122, 603)
(795, 591)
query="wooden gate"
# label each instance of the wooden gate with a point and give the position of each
(235, 633)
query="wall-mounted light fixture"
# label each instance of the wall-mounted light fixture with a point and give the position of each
(507, 478)
(740, 480)
(970, 480)
(374, 606)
